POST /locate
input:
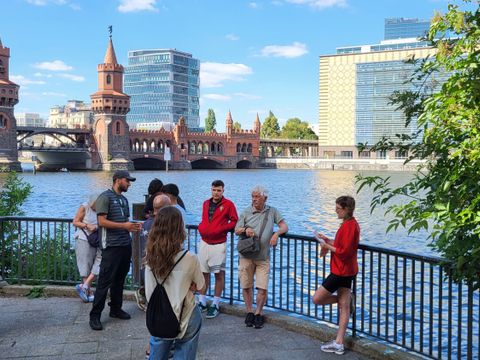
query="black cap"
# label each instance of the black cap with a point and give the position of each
(122, 174)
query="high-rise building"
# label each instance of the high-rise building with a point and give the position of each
(355, 88)
(402, 28)
(75, 114)
(163, 85)
(29, 119)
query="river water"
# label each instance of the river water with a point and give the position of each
(306, 198)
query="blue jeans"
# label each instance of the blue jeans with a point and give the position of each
(185, 348)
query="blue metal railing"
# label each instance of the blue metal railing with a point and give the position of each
(403, 299)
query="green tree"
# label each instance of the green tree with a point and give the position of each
(237, 126)
(443, 196)
(297, 129)
(13, 194)
(210, 121)
(270, 127)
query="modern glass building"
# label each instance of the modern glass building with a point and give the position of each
(163, 84)
(402, 28)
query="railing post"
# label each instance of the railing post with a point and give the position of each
(232, 247)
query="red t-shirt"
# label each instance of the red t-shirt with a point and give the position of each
(344, 259)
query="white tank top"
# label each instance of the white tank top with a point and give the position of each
(89, 218)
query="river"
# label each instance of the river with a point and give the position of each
(306, 198)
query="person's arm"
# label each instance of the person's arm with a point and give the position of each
(78, 219)
(108, 224)
(198, 281)
(240, 226)
(232, 219)
(282, 229)
(150, 282)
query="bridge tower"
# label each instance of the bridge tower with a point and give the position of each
(110, 107)
(8, 124)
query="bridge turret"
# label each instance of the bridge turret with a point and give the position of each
(257, 125)
(110, 106)
(8, 124)
(229, 124)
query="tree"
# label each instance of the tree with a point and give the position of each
(13, 194)
(210, 121)
(297, 129)
(237, 126)
(443, 196)
(270, 127)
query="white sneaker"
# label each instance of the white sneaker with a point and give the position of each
(333, 347)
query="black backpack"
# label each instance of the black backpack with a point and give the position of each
(161, 319)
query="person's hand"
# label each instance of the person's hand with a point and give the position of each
(322, 239)
(91, 227)
(323, 251)
(193, 287)
(249, 232)
(274, 239)
(133, 226)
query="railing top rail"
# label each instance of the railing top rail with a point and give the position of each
(28, 218)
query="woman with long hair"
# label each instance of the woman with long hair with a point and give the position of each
(343, 270)
(164, 249)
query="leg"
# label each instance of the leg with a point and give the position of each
(219, 283)
(324, 297)
(261, 300)
(186, 348)
(159, 348)
(123, 266)
(105, 278)
(344, 295)
(248, 298)
(207, 283)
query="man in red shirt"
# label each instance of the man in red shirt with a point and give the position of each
(219, 216)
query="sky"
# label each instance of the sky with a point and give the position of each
(256, 56)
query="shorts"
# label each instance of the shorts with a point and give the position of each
(88, 258)
(212, 258)
(333, 282)
(247, 268)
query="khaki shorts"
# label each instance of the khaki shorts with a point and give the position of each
(212, 258)
(247, 268)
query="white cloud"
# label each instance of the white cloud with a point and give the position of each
(56, 65)
(50, 93)
(127, 6)
(247, 96)
(288, 51)
(232, 37)
(46, 2)
(319, 4)
(38, 74)
(215, 74)
(253, 5)
(72, 77)
(22, 80)
(218, 97)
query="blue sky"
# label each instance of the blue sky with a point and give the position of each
(256, 55)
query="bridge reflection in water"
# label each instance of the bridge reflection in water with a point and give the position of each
(402, 299)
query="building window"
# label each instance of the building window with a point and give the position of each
(109, 79)
(346, 154)
(117, 128)
(3, 122)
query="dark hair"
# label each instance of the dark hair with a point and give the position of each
(171, 189)
(154, 186)
(165, 240)
(348, 203)
(218, 183)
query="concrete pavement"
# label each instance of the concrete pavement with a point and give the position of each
(57, 328)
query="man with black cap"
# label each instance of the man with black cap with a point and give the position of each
(114, 231)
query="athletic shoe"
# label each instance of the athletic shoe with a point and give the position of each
(95, 323)
(82, 292)
(141, 299)
(120, 314)
(203, 308)
(258, 322)
(352, 305)
(333, 347)
(249, 319)
(212, 312)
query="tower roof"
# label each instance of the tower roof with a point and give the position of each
(1, 43)
(110, 57)
(229, 116)
(257, 119)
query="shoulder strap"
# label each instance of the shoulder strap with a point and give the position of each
(84, 232)
(173, 267)
(264, 223)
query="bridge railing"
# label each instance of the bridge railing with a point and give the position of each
(403, 299)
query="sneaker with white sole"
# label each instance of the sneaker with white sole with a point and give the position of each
(203, 308)
(81, 291)
(333, 347)
(212, 312)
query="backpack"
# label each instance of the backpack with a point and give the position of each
(161, 319)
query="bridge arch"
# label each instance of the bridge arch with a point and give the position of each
(149, 163)
(206, 164)
(244, 164)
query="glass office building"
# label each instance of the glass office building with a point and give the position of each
(163, 85)
(401, 28)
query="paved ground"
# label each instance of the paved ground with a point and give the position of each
(57, 328)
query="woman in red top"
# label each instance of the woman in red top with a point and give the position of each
(343, 268)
